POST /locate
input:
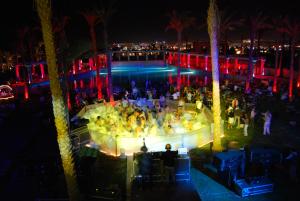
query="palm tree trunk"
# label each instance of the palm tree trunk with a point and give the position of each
(242, 51)
(276, 69)
(93, 38)
(281, 56)
(59, 107)
(291, 69)
(280, 62)
(250, 65)
(94, 48)
(109, 58)
(225, 44)
(213, 26)
(259, 33)
(178, 60)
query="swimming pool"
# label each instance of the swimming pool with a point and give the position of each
(123, 73)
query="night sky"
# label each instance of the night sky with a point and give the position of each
(135, 20)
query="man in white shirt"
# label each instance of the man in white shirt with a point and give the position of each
(175, 95)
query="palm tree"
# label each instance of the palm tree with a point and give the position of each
(228, 23)
(104, 15)
(179, 22)
(93, 19)
(292, 29)
(213, 30)
(59, 107)
(257, 23)
(22, 33)
(274, 88)
(59, 25)
(278, 25)
(62, 45)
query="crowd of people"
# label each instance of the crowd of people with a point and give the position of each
(239, 109)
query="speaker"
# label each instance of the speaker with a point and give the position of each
(253, 186)
(182, 168)
(265, 155)
(226, 160)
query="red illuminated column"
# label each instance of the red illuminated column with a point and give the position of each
(75, 84)
(236, 64)
(42, 71)
(262, 66)
(99, 87)
(81, 84)
(278, 72)
(69, 101)
(188, 60)
(197, 61)
(18, 72)
(170, 58)
(91, 63)
(254, 68)
(98, 79)
(227, 65)
(181, 60)
(29, 69)
(33, 69)
(174, 58)
(74, 67)
(106, 80)
(80, 65)
(206, 62)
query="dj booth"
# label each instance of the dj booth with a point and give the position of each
(182, 167)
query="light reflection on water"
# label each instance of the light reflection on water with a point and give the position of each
(123, 75)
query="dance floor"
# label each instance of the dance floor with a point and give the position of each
(190, 130)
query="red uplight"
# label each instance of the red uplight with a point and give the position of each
(42, 71)
(26, 94)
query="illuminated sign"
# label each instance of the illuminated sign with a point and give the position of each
(6, 92)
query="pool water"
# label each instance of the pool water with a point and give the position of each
(156, 75)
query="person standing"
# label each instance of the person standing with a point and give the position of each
(144, 162)
(169, 164)
(237, 116)
(267, 124)
(230, 115)
(189, 97)
(246, 124)
(234, 103)
(252, 117)
(199, 106)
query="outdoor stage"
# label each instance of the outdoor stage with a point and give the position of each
(115, 133)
